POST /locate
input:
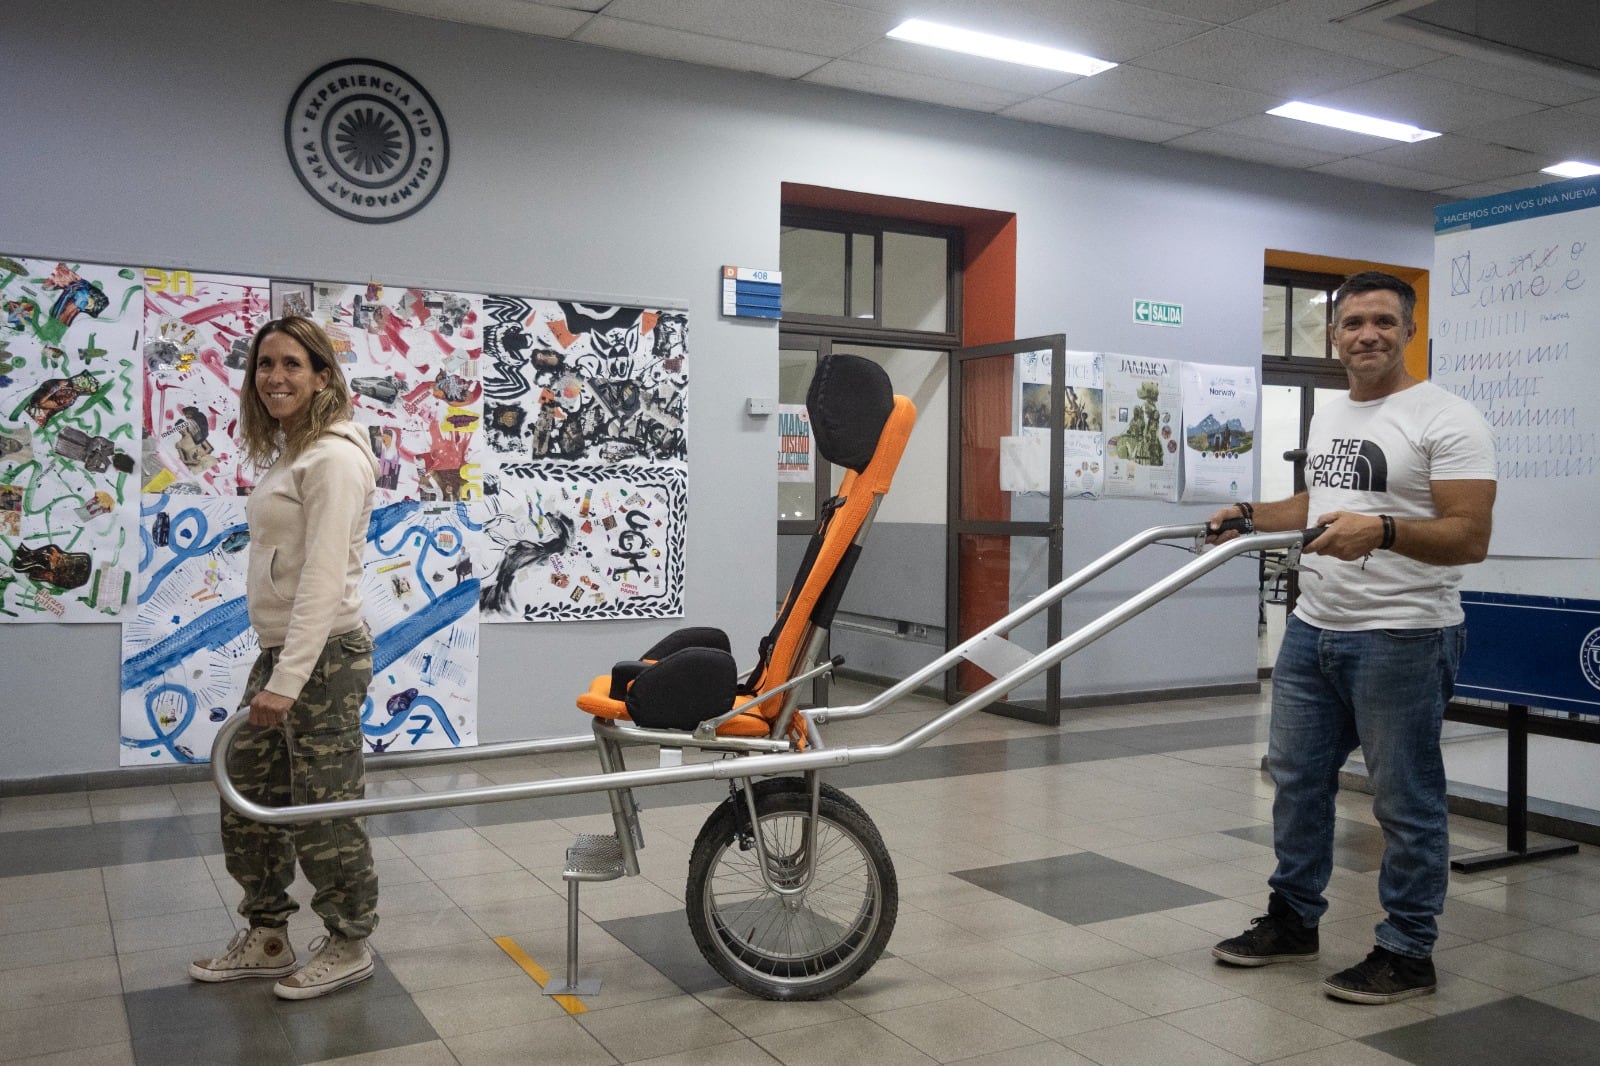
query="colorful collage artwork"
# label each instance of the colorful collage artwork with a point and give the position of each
(69, 439)
(533, 468)
(188, 648)
(411, 357)
(197, 331)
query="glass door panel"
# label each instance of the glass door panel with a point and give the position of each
(1005, 506)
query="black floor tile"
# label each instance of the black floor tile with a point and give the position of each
(1516, 1031)
(1085, 887)
(242, 1021)
(81, 847)
(664, 941)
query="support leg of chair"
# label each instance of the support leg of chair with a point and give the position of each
(572, 985)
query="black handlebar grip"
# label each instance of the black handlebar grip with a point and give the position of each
(1246, 526)
(1231, 525)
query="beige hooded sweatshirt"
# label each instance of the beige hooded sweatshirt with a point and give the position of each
(308, 529)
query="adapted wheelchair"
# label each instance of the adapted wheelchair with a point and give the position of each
(791, 891)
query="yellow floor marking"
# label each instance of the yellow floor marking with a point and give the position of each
(571, 1004)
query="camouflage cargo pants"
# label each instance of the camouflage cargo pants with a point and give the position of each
(319, 760)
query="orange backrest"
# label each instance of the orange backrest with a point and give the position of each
(858, 491)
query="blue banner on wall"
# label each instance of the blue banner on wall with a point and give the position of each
(1539, 651)
(1557, 197)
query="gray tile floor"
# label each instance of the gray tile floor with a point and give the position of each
(1060, 891)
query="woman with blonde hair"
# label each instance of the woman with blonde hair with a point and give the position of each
(308, 521)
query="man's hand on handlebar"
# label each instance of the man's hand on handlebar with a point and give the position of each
(1349, 536)
(1227, 523)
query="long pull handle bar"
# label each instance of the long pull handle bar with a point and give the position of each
(789, 762)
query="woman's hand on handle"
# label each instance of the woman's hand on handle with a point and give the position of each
(269, 709)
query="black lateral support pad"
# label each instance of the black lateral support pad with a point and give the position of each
(684, 689)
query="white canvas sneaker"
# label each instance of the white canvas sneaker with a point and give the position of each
(254, 952)
(335, 963)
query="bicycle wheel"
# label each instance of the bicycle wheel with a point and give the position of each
(792, 947)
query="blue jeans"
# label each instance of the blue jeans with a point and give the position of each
(1383, 690)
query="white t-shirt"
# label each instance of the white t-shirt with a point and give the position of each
(1379, 457)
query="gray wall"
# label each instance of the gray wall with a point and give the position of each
(150, 133)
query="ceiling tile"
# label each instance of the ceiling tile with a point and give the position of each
(938, 63)
(1494, 188)
(819, 27)
(1302, 135)
(1552, 90)
(1132, 127)
(1562, 132)
(1107, 29)
(1309, 22)
(1247, 61)
(696, 48)
(1458, 157)
(1218, 12)
(1427, 102)
(1195, 72)
(1213, 142)
(1366, 170)
(517, 15)
(843, 74)
(1155, 94)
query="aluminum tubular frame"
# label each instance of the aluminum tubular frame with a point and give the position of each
(762, 761)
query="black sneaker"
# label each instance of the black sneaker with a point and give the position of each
(1270, 938)
(1383, 977)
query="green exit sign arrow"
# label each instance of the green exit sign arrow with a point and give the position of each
(1156, 313)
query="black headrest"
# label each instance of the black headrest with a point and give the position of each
(849, 401)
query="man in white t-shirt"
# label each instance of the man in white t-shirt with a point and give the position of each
(1402, 474)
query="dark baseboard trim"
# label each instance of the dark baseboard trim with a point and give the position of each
(1107, 699)
(128, 777)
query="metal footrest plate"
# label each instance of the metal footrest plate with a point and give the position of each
(593, 857)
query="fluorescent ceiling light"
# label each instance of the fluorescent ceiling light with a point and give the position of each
(1572, 169)
(990, 47)
(1349, 120)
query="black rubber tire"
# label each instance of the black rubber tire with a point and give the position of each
(843, 922)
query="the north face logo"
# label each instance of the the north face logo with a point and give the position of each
(1349, 463)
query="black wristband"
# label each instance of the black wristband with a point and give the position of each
(1388, 533)
(1245, 510)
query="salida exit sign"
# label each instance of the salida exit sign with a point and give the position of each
(1156, 313)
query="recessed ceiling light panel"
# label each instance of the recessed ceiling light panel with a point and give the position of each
(918, 31)
(1350, 120)
(1572, 169)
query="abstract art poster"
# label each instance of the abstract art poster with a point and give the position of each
(411, 357)
(197, 332)
(1142, 418)
(581, 383)
(559, 542)
(188, 649)
(69, 420)
(421, 603)
(1219, 432)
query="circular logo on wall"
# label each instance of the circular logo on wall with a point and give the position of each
(1589, 657)
(366, 140)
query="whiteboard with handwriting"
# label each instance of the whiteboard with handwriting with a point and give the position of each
(1515, 308)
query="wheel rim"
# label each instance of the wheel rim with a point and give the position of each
(833, 922)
